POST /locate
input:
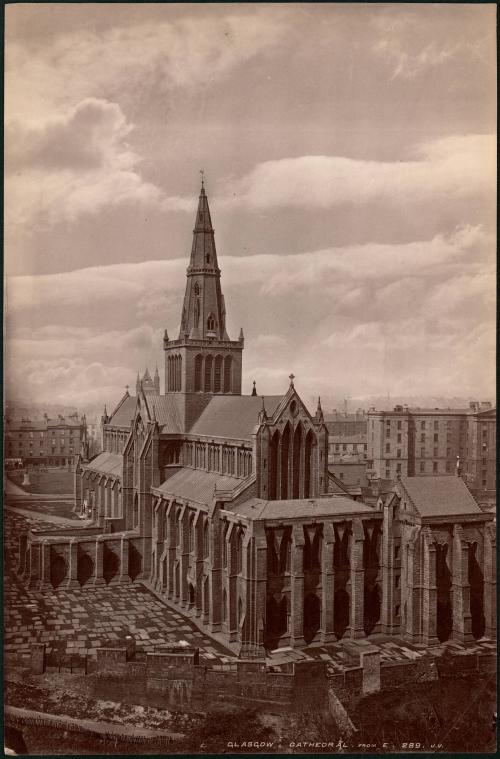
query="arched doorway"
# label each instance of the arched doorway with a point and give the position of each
(192, 594)
(312, 616)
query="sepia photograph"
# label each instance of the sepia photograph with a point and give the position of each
(249, 445)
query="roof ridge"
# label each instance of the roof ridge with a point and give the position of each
(400, 480)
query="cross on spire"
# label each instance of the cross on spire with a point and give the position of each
(202, 174)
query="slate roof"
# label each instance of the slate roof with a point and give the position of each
(124, 414)
(233, 416)
(196, 485)
(440, 495)
(107, 463)
(256, 508)
(166, 411)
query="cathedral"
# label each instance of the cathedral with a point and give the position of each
(223, 505)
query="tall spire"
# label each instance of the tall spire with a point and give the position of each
(203, 254)
(203, 312)
(203, 358)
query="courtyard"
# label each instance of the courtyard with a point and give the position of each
(79, 621)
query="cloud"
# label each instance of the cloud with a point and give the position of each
(187, 52)
(67, 151)
(457, 167)
(357, 320)
(76, 163)
(269, 342)
(415, 45)
(161, 283)
(67, 381)
(410, 66)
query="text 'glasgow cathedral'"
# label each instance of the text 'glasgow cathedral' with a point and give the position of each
(223, 504)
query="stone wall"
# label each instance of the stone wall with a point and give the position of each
(174, 678)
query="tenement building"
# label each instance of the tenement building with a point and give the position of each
(223, 505)
(45, 442)
(420, 442)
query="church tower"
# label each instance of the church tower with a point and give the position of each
(203, 359)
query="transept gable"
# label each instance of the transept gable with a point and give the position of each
(290, 411)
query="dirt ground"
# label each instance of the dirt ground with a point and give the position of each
(439, 717)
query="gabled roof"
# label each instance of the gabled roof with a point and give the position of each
(196, 485)
(439, 495)
(335, 484)
(107, 463)
(302, 508)
(165, 409)
(124, 412)
(233, 416)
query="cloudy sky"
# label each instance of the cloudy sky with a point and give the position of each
(349, 154)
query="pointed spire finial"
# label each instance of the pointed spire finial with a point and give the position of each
(202, 173)
(291, 377)
(319, 412)
(241, 335)
(254, 391)
(126, 389)
(263, 412)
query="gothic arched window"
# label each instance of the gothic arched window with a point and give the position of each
(196, 288)
(227, 374)
(218, 374)
(211, 323)
(191, 534)
(208, 374)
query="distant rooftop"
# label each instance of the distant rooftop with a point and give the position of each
(473, 408)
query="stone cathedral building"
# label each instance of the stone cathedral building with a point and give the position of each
(223, 505)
